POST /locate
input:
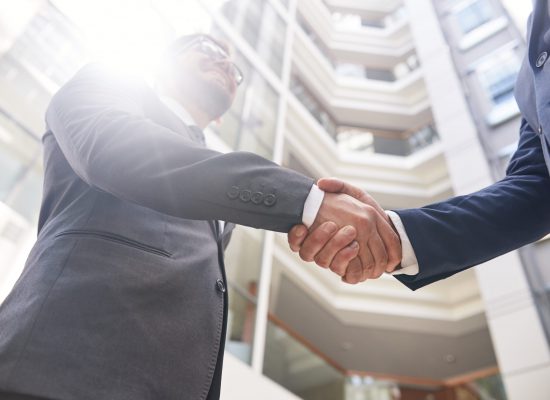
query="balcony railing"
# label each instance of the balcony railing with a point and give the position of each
(359, 139)
(397, 72)
(390, 143)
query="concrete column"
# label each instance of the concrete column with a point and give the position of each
(518, 337)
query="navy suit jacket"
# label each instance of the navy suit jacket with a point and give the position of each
(456, 234)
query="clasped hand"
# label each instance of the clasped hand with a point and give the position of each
(351, 235)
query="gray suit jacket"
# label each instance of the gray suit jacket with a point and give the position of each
(123, 295)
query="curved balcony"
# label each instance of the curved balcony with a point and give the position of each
(371, 46)
(395, 105)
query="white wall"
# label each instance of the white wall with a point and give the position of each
(240, 382)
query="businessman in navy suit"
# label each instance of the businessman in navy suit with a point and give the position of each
(442, 239)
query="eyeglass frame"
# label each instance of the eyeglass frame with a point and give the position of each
(222, 54)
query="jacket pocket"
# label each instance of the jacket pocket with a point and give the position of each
(112, 237)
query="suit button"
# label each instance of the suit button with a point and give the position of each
(220, 285)
(245, 196)
(233, 192)
(257, 197)
(270, 200)
(542, 59)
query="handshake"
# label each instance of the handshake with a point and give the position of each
(351, 235)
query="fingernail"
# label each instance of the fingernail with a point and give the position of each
(354, 245)
(349, 230)
(331, 227)
(300, 232)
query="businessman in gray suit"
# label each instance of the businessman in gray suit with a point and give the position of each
(123, 296)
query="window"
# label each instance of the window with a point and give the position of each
(251, 122)
(497, 74)
(473, 15)
(261, 26)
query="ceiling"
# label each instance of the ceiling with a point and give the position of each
(396, 351)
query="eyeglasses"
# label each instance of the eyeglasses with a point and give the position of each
(217, 53)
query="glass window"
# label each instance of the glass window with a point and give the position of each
(243, 260)
(474, 15)
(261, 26)
(498, 76)
(26, 197)
(315, 108)
(18, 150)
(250, 124)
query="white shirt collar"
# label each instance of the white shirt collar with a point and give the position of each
(177, 109)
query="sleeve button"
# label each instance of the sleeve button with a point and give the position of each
(245, 196)
(270, 200)
(233, 193)
(257, 197)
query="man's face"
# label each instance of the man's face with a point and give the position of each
(205, 74)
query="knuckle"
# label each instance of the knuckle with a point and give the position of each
(321, 261)
(305, 255)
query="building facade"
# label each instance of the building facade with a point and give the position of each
(409, 99)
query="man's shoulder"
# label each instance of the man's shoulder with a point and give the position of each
(102, 74)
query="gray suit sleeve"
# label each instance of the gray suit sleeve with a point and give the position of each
(97, 119)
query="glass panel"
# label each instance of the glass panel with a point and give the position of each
(18, 149)
(498, 76)
(50, 46)
(315, 108)
(250, 124)
(474, 15)
(26, 197)
(22, 96)
(367, 388)
(241, 318)
(294, 366)
(243, 259)
(261, 26)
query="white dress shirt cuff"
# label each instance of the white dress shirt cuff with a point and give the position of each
(409, 263)
(312, 205)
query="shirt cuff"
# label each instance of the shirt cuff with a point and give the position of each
(409, 263)
(312, 205)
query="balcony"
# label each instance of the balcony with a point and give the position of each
(305, 370)
(346, 37)
(397, 102)
(359, 139)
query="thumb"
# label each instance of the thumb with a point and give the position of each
(335, 185)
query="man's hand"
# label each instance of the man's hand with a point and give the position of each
(355, 241)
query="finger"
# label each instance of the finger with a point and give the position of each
(392, 243)
(341, 261)
(296, 237)
(367, 262)
(339, 241)
(378, 251)
(354, 272)
(334, 185)
(316, 240)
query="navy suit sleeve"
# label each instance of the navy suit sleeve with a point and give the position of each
(464, 231)
(98, 121)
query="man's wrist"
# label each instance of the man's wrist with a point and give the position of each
(312, 205)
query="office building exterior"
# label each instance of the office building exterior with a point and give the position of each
(409, 99)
